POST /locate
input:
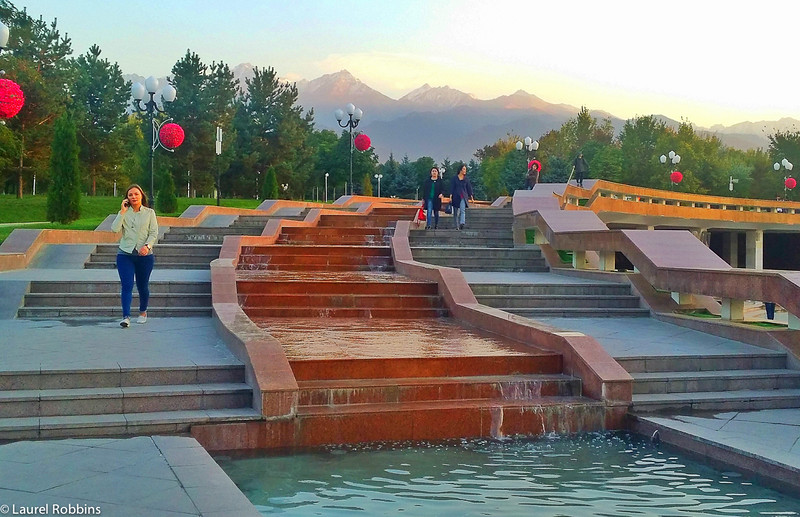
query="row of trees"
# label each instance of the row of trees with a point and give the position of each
(632, 157)
(270, 140)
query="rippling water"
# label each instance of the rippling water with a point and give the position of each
(606, 474)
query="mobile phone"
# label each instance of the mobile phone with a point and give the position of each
(126, 202)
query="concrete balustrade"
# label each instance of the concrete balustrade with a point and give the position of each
(672, 260)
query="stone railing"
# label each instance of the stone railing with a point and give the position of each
(672, 260)
(606, 196)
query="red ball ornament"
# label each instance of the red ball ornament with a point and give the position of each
(11, 98)
(790, 183)
(171, 135)
(676, 177)
(362, 142)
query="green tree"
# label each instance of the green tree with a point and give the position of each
(270, 189)
(639, 141)
(166, 201)
(366, 185)
(99, 97)
(64, 195)
(37, 59)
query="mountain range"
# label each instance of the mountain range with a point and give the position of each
(442, 122)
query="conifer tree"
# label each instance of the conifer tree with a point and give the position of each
(166, 201)
(64, 195)
(270, 189)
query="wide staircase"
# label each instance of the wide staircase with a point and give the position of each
(731, 382)
(100, 299)
(384, 363)
(562, 300)
(485, 244)
(121, 401)
(167, 256)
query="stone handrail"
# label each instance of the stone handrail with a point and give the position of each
(615, 197)
(673, 260)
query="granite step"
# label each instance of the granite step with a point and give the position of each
(345, 312)
(124, 399)
(581, 289)
(579, 312)
(717, 380)
(114, 425)
(505, 387)
(738, 400)
(765, 360)
(447, 419)
(515, 302)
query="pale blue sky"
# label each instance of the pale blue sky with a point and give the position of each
(705, 61)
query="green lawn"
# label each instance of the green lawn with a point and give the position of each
(33, 209)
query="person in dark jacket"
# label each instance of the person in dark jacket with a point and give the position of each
(432, 194)
(581, 169)
(460, 192)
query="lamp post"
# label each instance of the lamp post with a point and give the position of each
(786, 164)
(530, 146)
(285, 187)
(188, 183)
(378, 177)
(354, 117)
(168, 93)
(674, 158)
(326, 187)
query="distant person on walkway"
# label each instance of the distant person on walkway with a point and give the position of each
(581, 169)
(135, 256)
(533, 176)
(432, 194)
(460, 192)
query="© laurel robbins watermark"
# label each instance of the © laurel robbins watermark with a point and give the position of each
(50, 509)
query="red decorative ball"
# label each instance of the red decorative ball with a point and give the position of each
(171, 135)
(676, 177)
(362, 142)
(11, 98)
(535, 163)
(790, 183)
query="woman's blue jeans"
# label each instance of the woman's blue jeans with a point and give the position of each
(138, 268)
(432, 215)
(460, 213)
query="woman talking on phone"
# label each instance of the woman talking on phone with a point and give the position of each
(135, 256)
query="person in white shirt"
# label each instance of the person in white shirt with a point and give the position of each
(135, 258)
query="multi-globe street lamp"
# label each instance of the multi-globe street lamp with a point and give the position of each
(786, 164)
(675, 159)
(168, 93)
(354, 117)
(378, 177)
(530, 146)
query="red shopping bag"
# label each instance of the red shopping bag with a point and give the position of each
(421, 215)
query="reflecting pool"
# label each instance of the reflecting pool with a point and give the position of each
(597, 474)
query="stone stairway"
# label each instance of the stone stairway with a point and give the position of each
(486, 244)
(326, 235)
(439, 398)
(338, 295)
(734, 382)
(483, 259)
(168, 256)
(341, 268)
(96, 299)
(193, 235)
(121, 401)
(254, 224)
(559, 300)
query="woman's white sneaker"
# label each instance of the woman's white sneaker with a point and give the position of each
(125, 323)
(142, 318)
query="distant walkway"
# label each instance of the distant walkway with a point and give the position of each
(21, 224)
